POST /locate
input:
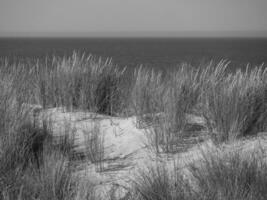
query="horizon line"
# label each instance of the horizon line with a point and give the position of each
(138, 34)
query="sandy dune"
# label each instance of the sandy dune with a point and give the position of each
(126, 147)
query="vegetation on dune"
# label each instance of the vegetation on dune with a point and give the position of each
(234, 105)
(218, 176)
(160, 183)
(232, 175)
(80, 82)
(31, 166)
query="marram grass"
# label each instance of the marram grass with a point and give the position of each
(234, 105)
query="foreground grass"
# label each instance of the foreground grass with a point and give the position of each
(32, 167)
(219, 176)
(233, 176)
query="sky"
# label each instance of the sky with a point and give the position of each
(133, 18)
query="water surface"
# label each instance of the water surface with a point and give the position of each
(155, 52)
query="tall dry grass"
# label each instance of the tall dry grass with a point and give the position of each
(31, 166)
(75, 82)
(234, 105)
(81, 82)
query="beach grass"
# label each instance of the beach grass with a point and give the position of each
(234, 105)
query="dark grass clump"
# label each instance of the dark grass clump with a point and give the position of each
(109, 94)
(33, 167)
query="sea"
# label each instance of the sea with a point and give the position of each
(153, 52)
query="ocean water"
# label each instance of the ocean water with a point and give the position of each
(156, 52)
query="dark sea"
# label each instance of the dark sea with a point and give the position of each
(154, 52)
